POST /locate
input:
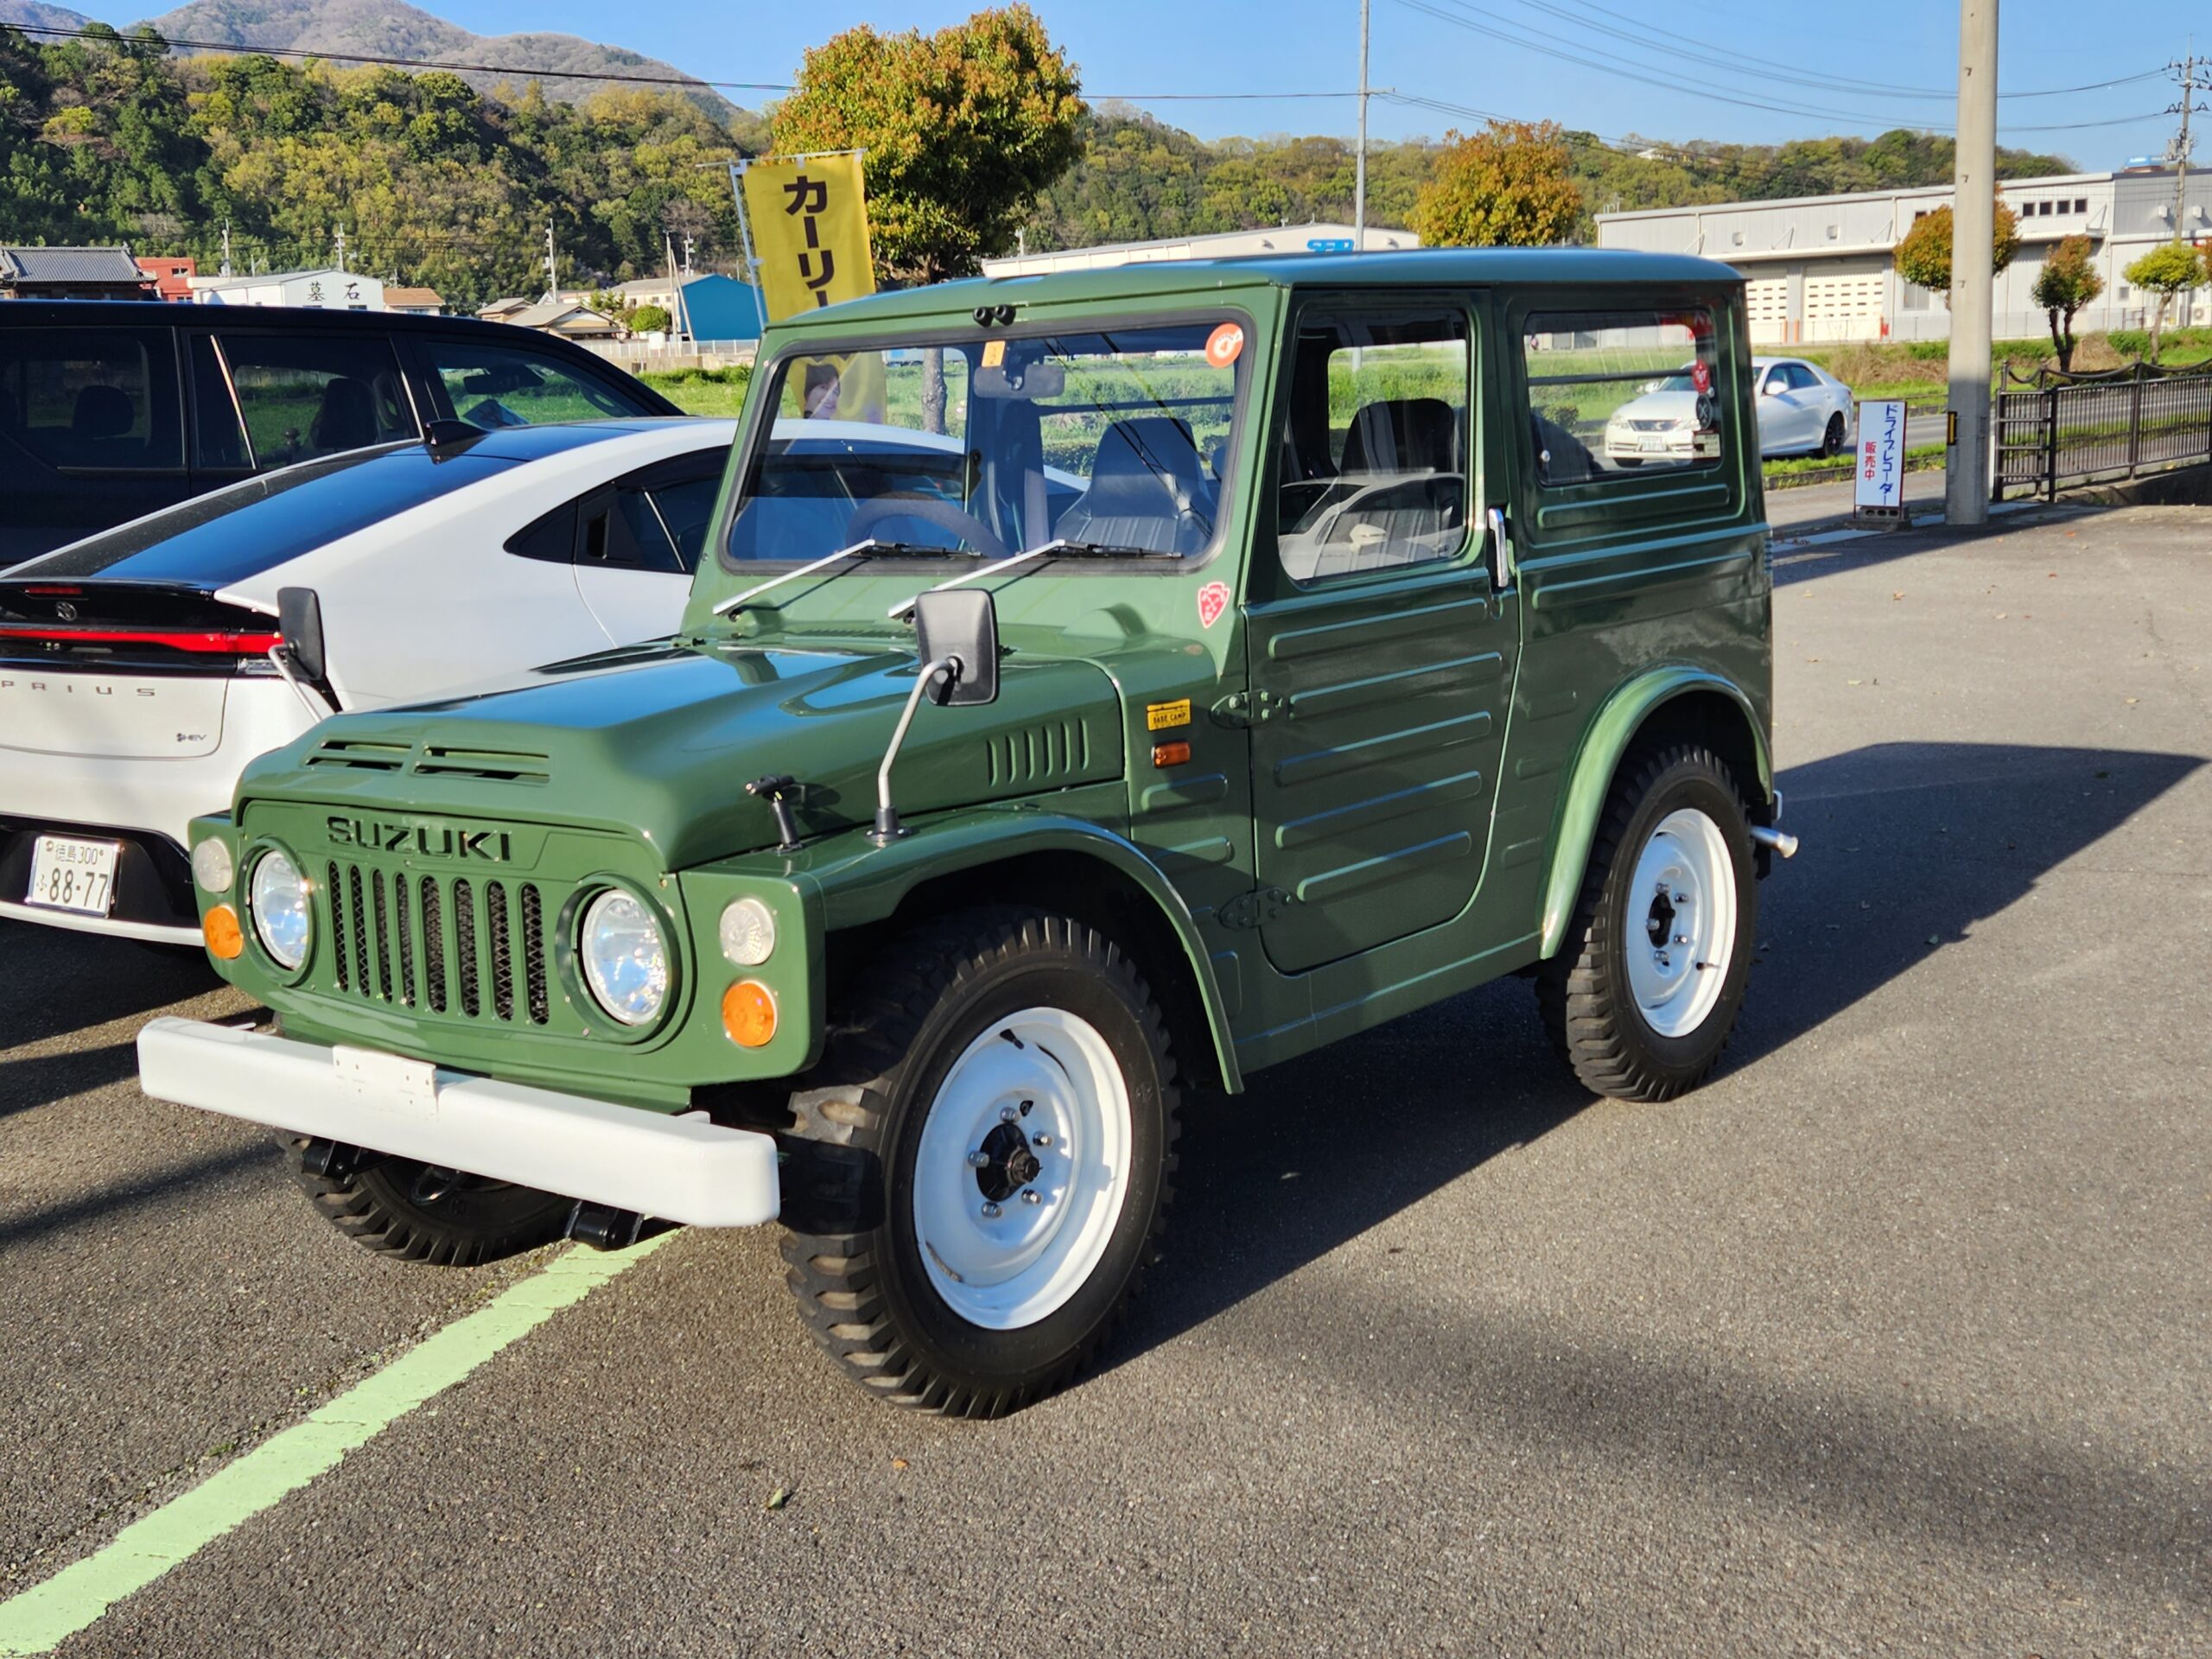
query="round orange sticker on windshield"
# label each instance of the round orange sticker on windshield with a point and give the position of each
(1225, 345)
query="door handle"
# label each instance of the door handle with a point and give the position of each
(1501, 553)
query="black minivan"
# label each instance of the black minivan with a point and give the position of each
(112, 408)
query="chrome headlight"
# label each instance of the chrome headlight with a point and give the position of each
(282, 918)
(623, 958)
(748, 931)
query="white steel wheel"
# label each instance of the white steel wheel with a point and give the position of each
(1682, 917)
(1023, 1168)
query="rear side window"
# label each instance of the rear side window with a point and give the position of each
(1612, 393)
(654, 520)
(302, 399)
(495, 386)
(94, 399)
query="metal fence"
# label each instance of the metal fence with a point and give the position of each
(2088, 429)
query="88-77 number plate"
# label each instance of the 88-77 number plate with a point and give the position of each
(71, 874)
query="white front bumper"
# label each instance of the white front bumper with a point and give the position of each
(683, 1169)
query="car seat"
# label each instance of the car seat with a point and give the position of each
(1148, 489)
(347, 420)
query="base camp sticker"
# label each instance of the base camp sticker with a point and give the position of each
(1164, 716)
(1225, 345)
(1213, 598)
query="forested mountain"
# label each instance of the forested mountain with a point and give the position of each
(434, 181)
(1141, 179)
(391, 29)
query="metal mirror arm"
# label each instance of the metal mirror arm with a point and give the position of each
(887, 829)
(319, 704)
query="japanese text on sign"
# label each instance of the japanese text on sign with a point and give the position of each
(1880, 475)
(809, 217)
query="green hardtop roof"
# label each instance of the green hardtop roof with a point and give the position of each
(1411, 268)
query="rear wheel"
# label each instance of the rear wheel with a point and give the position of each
(1641, 997)
(400, 1208)
(982, 1162)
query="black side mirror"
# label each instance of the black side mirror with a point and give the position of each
(299, 621)
(962, 624)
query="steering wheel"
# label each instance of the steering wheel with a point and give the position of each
(928, 510)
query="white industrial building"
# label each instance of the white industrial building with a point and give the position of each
(1225, 244)
(1820, 268)
(328, 289)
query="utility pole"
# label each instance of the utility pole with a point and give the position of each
(552, 270)
(226, 248)
(1359, 162)
(1974, 235)
(338, 240)
(2183, 146)
(687, 256)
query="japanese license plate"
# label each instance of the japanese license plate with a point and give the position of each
(1654, 445)
(71, 874)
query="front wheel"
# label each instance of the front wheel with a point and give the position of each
(414, 1212)
(1643, 994)
(1832, 440)
(981, 1164)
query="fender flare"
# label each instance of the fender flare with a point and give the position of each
(870, 882)
(1605, 741)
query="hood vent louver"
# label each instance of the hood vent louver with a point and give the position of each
(494, 766)
(359, 754)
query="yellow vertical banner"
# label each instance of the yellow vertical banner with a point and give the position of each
(809, 231)
(809, 219)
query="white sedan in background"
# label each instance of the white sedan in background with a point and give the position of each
(1802, 411)
(142, 668)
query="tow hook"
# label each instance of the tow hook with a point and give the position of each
(603, 1227)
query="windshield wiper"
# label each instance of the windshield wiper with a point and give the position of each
(1065, 549)
(868, 547)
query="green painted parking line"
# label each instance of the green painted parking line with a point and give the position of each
(48, 1613)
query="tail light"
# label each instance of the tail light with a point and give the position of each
(129, 626)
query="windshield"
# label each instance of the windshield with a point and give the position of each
(1112, 441)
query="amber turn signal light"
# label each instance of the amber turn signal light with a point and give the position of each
(1170, 755)
(749, 1014)
(219, 927)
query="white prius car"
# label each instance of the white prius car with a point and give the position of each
(1803, 410)
(140, 669)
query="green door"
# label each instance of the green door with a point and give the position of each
(1383, 648)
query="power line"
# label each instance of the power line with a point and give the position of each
(1709, 94)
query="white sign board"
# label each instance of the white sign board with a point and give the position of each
(1880, 474)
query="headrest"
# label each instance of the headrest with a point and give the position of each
(1148, 489)
(102, 412)
(1403, 435)
(347, 418)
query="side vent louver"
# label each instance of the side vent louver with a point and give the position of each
(1040, 754)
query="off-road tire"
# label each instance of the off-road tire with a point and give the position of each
(1583, 991)
(853, 1264)
(382, 1207)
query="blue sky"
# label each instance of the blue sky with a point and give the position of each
(1890, 51)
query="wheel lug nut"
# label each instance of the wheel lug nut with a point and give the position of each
(1030, 1195)
(1681, 938)
(1681, 898)
(1006, 1114)
(991, 1211)
(1040, 1140)
(979, 1161)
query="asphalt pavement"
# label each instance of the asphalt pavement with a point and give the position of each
(1894, 1337)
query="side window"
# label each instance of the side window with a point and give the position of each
(1802, 379)
(1611, 393)
(1374, 445)
(623, 531)
(218, 429)
(305, 397)
(686, 509)
(98, 399)
(492, 386)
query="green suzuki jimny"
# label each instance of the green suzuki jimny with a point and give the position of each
(1092, 685)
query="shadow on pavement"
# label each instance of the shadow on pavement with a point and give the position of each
(39, 1079)
(1792, 561)
(1932, 837)
(53, 981)
(130, 1191)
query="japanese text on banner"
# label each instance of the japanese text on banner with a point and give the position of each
(809, 231)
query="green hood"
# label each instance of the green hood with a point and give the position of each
(660, 740)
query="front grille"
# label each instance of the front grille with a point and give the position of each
(478, 939)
